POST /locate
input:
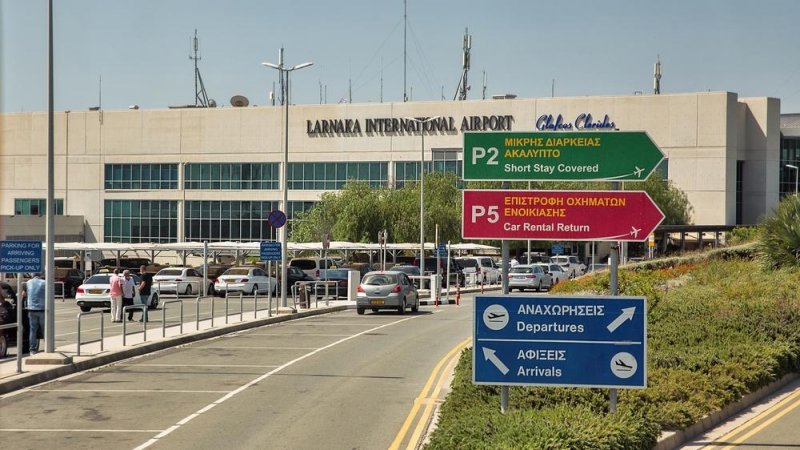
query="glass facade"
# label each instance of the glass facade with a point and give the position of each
(332, 176)
(36, 206)
(405, 172)
(216, 221)
(141, 221)
(141, 176)
(790, 154)
(227, 176)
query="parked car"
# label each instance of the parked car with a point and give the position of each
(295, 274)
(557, 273)
(411, 271)
(213, 272)
(180, 280)
(528, 276)
(570, 264)
(456, 270)
(337, 276)
(95, 292)
(71, 279)
(8, 315)
(387, 290)
(313, 265)
(483, 268)
(247, 279)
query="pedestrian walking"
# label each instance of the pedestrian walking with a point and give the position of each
(145, 290)
(128, 291)
(116, 296)
(33, 295)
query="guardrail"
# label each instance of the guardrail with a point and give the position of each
(125, 309)
(164, 316)
(327, 296)
(102, 329)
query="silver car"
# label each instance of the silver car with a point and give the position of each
(387, 290)
(528, 276)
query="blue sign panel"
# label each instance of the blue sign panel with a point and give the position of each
(20, 256)
(270, 251)
(442, 251)
(557, 249)
(598, 342)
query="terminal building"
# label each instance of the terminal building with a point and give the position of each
(213, 174)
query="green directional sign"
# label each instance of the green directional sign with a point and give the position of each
(556, 156)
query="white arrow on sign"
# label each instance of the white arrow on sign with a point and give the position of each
(627, 314)
(490, 355)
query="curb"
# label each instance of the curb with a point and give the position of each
(674, 439)
(23, 380)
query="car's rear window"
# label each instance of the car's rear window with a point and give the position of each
(98, 279)
(238, 271)
(170, 272)
(521, 270)
(468, 262)
(335, 273)
(380, 279)
(304, 264)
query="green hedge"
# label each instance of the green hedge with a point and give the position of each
(718, 328)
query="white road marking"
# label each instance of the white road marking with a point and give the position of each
(68, 430)
(233, 347)
(134, 391)
(262, 378)
(200, 365)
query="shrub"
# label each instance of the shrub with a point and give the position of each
(779, 244)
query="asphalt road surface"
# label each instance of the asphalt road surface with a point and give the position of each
(336, 381)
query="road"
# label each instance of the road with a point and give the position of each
(333, 381)
(769, 424)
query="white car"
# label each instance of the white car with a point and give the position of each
(529, 276)
(180, 280)
(247, 279)
(557, 273)
(481, 268)
(571, 265)
(95, 292)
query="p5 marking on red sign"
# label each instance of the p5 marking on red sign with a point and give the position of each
(559, 215)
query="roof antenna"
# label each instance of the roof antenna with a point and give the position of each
(200, 96)
(657, 76)
(463, 87)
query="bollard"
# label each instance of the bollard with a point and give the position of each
(482, 284)
(458, 294)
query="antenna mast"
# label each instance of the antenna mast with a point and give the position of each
(657, 76)
(200, 96)
(405, 28)
(463, 87)
(281, 81)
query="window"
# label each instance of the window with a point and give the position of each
(227, 176)
(444, 161)
(140, 221)
(141, 176)
(36, 207)
(217, 221)
(332, 176)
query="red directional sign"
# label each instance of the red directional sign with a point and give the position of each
(559, 215)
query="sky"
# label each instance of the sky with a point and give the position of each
(531, 48)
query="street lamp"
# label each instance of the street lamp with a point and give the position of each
(795, 176)
(285, 170)
(422, 123)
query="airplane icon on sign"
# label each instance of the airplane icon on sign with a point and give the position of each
(635, 232)
(493, 316)
(638, 171)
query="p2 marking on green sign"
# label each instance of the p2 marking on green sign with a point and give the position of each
(555, 156)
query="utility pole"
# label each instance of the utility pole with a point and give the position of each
(657, 76)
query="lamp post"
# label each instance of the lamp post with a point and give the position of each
(795, 176)
(422, 123)
(285, 170)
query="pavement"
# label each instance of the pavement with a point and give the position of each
(141, 340)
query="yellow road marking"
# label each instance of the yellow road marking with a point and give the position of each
(755, 422)
(424, 397)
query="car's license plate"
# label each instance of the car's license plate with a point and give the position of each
(376, 302)
(95, 291)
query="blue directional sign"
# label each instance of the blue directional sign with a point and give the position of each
(598, 342)
(441, 251)
(557, 249)
(20, 256)
(270, 251)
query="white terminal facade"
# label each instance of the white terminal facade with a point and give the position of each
(194, 174)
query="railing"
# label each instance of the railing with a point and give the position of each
(63, 293)
(327, 294)
(102, 329)
(125, 309)
(164, 316)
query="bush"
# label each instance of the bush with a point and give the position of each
(779, 244)
(726, 329)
